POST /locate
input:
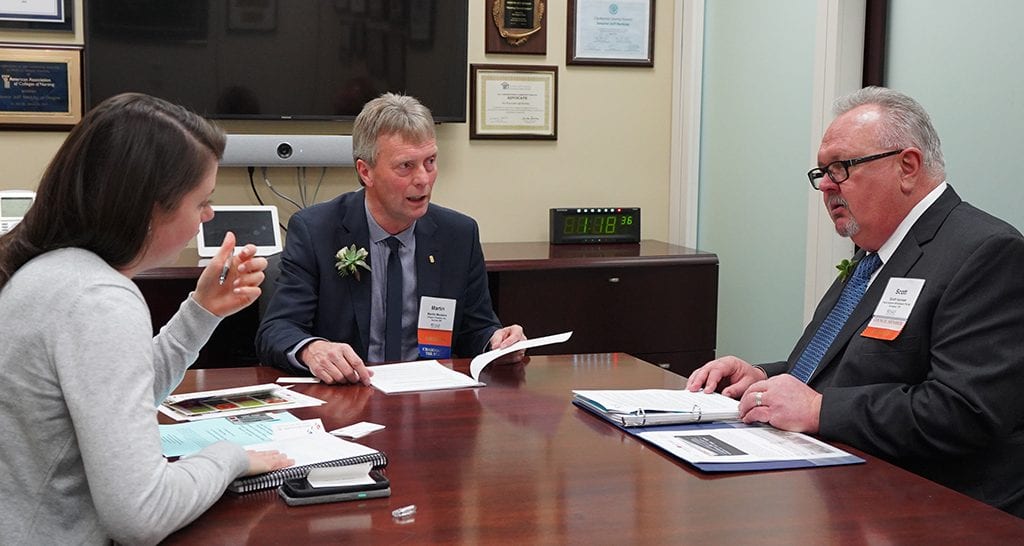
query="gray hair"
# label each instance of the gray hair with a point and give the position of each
(905, 123)
(390, 114)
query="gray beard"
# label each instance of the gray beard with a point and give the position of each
(852, 228)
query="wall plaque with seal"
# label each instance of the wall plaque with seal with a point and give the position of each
(516, 26)
(604, 33)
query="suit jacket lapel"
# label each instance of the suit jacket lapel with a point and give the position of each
(354, 230)
(906, 255)
(428, 257)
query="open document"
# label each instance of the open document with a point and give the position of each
(195, 406)
(309, 447)
(425, 375)
(645, 407)
(431, 375)
(481, 361)
(183, 439)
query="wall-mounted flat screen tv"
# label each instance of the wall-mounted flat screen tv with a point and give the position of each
(279, 59)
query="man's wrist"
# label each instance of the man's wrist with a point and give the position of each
(815, 426)
(295, 355)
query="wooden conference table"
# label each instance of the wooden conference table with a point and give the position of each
(515, 462)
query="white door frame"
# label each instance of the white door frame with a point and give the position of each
(838, 66)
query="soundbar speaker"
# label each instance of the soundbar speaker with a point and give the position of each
(288, 151)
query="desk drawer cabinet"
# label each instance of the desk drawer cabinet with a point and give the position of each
(664, 313)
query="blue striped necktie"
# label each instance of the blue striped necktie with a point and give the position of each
(837, 317)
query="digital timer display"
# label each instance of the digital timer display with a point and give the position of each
(601, 224)
(595, 225)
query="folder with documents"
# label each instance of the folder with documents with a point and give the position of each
(704, 430)
(647, 407)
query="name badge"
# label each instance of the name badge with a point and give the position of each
(894, 308)
(434, 333)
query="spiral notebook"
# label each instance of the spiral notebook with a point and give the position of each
(313, 451)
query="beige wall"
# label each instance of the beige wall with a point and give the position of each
(613, 143)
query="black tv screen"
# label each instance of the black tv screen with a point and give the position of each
(279, 59)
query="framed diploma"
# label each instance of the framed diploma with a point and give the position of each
(40, 88)
(513, 102)
(37, 14)
(610, 32)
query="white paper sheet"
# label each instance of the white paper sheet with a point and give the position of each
(314, 448)
(675, 400)
(424, 375)
(480, 362)
(340, 476)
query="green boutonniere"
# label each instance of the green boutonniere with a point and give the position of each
(846, 268)
(350, 260)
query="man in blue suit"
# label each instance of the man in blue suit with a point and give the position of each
(926, 370)
(329, 320)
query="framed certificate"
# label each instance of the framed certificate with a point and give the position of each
(610, 33)
(37, 14)
(513, 102)
(40, 88)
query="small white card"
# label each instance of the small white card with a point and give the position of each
(340, 476)
(894, 308)
(283, 380)
(357, 430)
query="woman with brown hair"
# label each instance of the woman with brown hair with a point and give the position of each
(82, 370)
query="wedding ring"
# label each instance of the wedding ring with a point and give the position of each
(757, 398)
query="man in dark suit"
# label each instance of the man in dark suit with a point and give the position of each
(329, 319)
(937, 391)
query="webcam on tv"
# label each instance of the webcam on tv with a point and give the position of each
(284, 150)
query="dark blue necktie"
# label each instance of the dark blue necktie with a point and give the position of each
(837, 317)
(393, 303)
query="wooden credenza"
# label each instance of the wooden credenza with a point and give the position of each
(232, 344)
(653, 300)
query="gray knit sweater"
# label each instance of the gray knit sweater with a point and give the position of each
(80, 453)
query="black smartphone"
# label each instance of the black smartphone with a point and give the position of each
(298, 492)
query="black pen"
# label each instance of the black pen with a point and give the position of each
(224, 272)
